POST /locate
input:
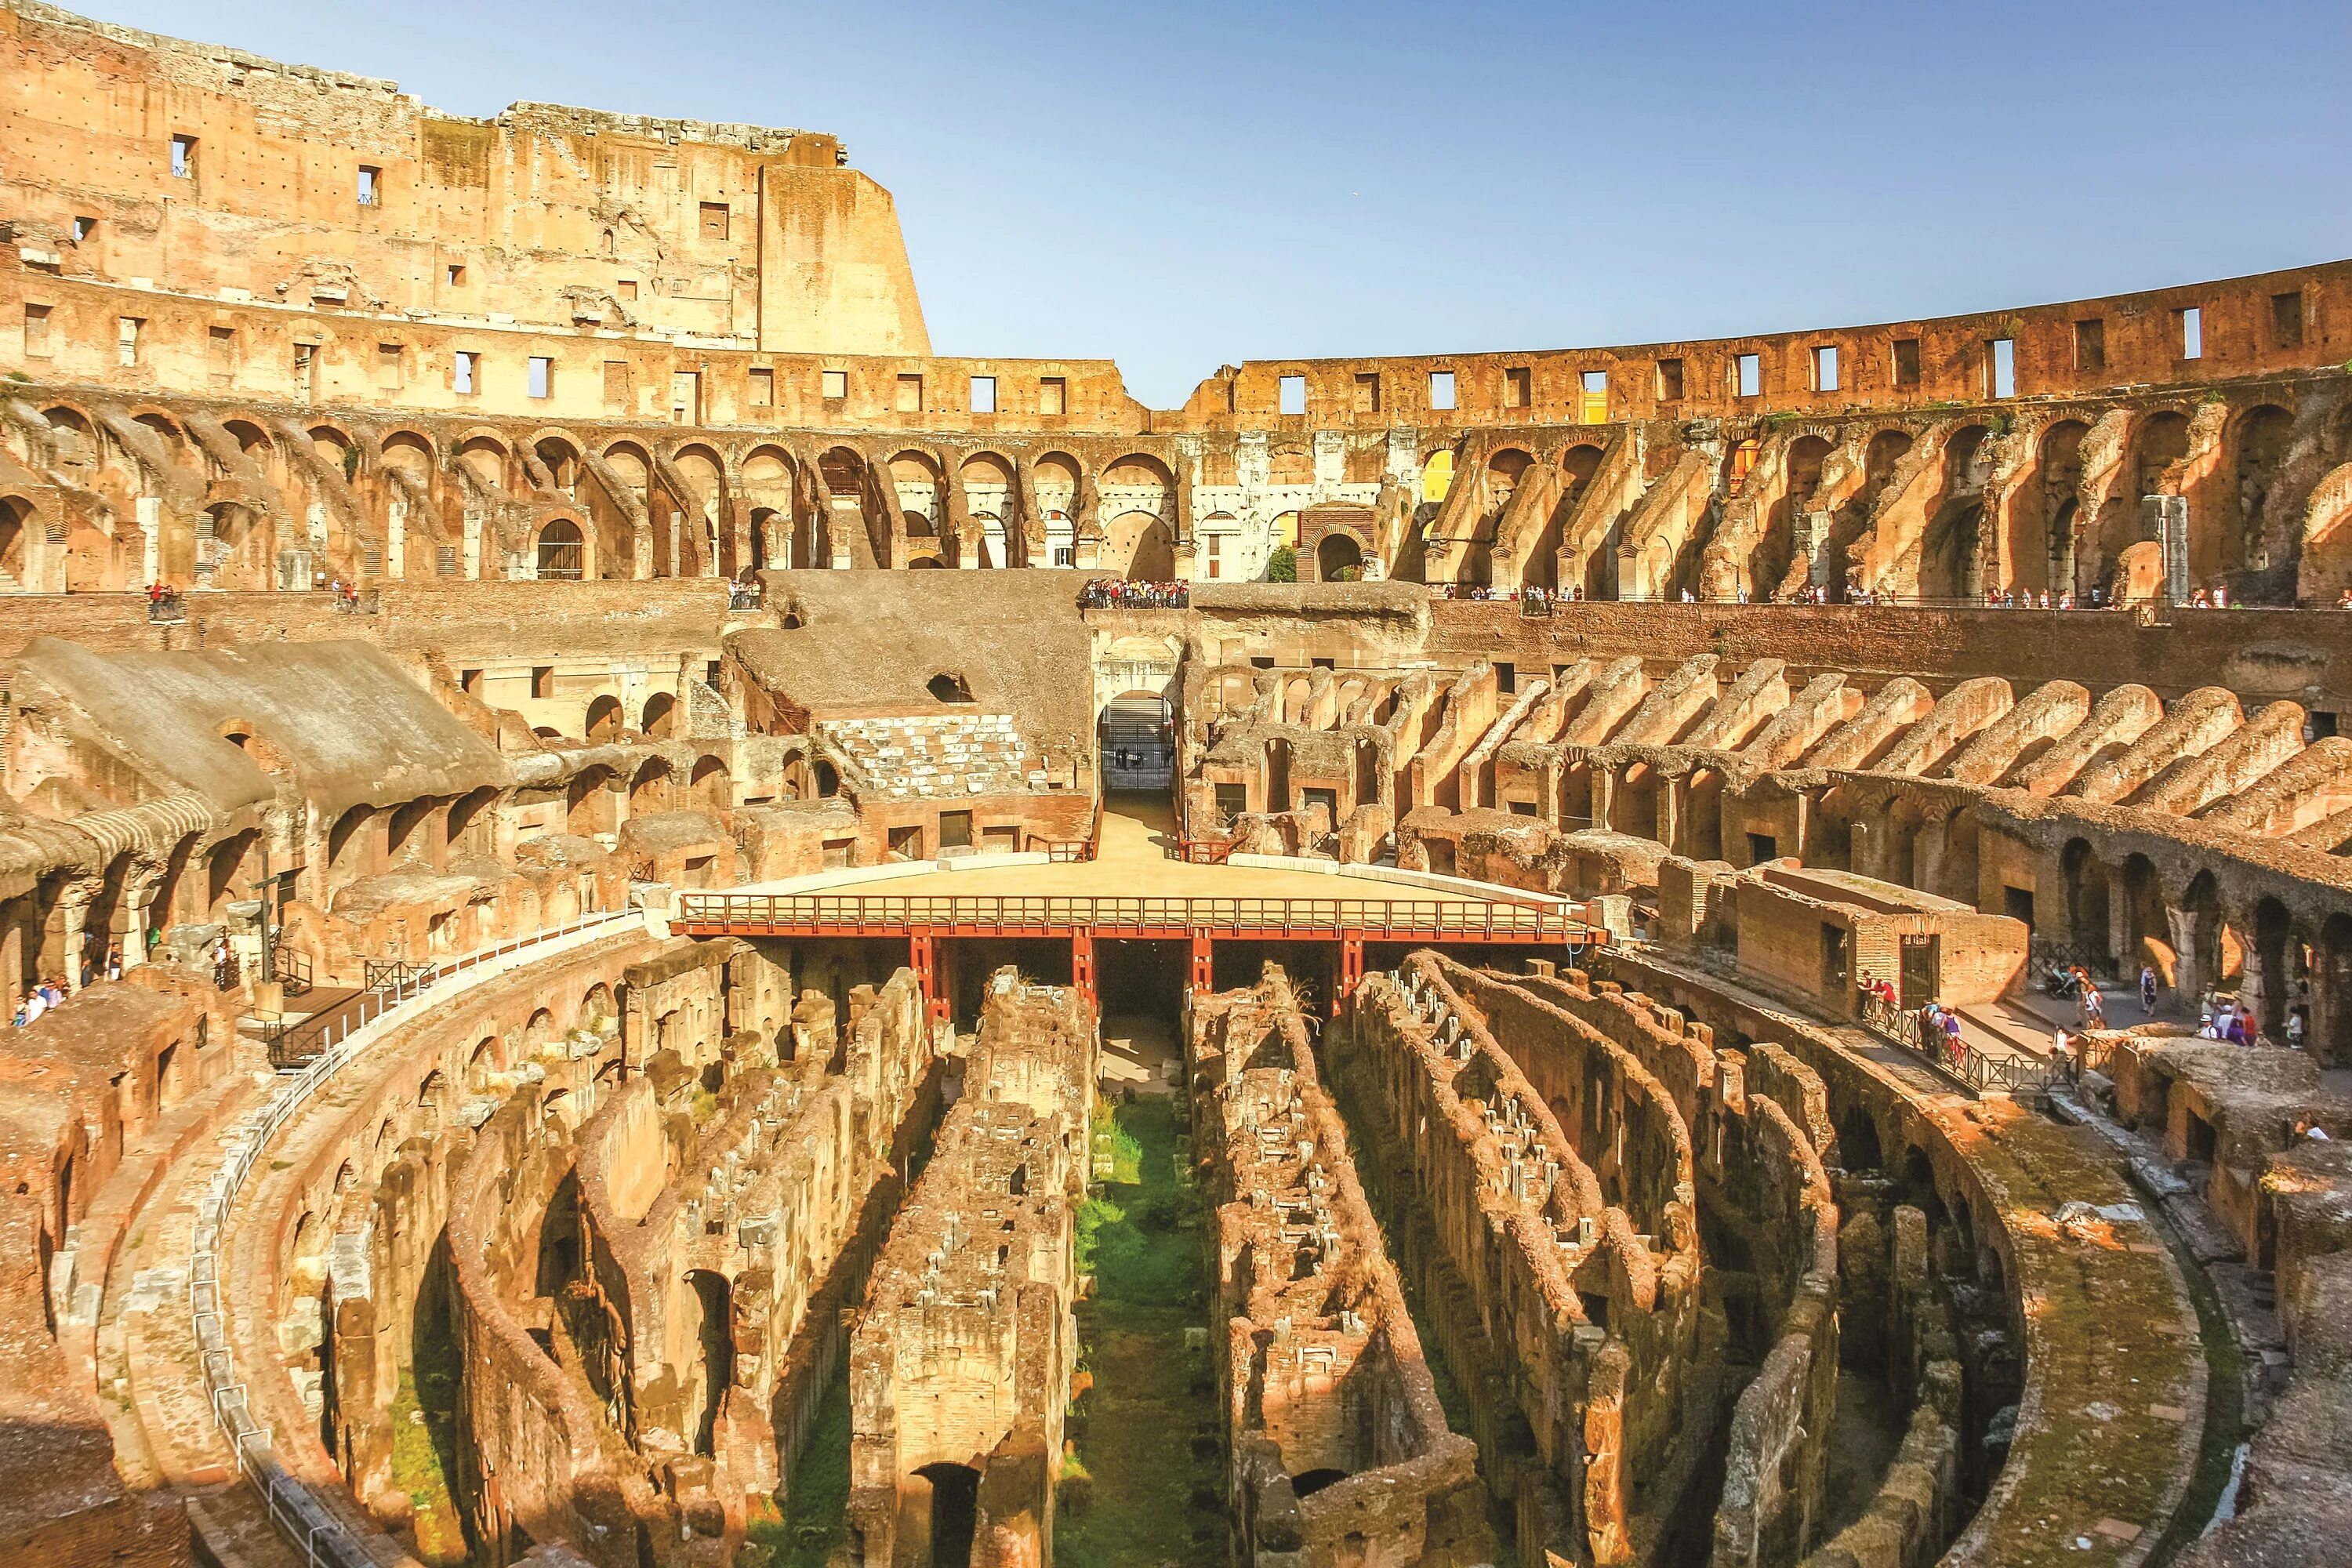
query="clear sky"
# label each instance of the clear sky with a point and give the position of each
(1184, 186)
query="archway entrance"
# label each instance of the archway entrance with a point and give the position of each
(955, 1510)
(1136, 740)
(1339, 559)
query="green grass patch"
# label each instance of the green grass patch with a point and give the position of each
(816, 1504)
(1133, 1481)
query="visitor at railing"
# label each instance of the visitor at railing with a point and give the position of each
(743, 595)
(1116, 594)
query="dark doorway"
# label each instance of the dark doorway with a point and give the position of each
(955, 1510)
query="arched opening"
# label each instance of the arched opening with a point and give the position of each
(709, 784)
(715, 1333)
(1949, 564)
(1339, 559)
(2085, 881)
(660, 716)
(828, 780)
(1306, 1483)
(2200, 916)
(2258, 443)
(1776, 544)
(2146, 939)
(561, 552)
(649, 791)
(16, 529)
(603, 723)
(1138, 547)
(2269, 977)
(2331, 1032)
(558, 465)
(1135, 741)
(2060, 474)
(1702, 821)
(955, 1510)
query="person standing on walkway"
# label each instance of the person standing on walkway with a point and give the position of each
(2148, 990)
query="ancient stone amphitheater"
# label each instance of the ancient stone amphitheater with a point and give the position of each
(681, 933)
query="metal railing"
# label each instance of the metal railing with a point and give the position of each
(323, 1539)
(1980, 1070)
(885, 914)
(1201, 851)
(1069, 851)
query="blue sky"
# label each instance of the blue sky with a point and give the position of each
(1184, 186)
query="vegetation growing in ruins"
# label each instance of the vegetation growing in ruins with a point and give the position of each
(816, 1502)
(1282, 567)
(1134, 1429)
(417, 1468)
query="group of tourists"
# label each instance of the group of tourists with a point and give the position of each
(45, 996)
(743, 595)
(164, 603)
(1115, 594)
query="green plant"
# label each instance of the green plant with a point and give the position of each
(2212, 394)
(1282, 567)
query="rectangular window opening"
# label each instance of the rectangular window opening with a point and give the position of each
(833, 385)
(1593, 403)
(1053, 395)
(387, 365)
(1441, 389)
(2286, 319)
(371, 184)
(465, 371)
(126, 338)
(2191, 325)
(629, 287)
(222, 344)
(453, 275)
(184, 157)
(616, 382)
(543, 681)
(542, 376)
(1368, 394)
(714, 220)
(83, 227)
(908, 398)
(1751, 375)
(1825, 368)
(1293, 394)
(1906, 362)
(1518, 388)
(2002, 363)
(2091, 344)
(1670, 381)
(984, 394)
(36, 332)
(763, 388)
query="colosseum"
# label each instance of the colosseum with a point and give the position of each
(652, 927)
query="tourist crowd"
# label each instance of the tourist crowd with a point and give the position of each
(41, 998)
(1113, 594)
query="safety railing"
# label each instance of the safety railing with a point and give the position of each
(323, 1539)
(1980, 1069)
(1201, 851)
(885, 914)
(1068, 851)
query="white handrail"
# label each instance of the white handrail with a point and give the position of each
(306, 1523)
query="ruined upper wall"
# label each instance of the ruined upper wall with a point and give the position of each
(2298, 318)
(295, 186)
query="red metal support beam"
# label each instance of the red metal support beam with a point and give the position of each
(1204, 967)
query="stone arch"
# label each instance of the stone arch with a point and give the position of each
(562, 551)
(2257, 444)
(649, 791)
(1138, 547)
(1338, 557)
(710, 783)
(660, 716)
(602, 723)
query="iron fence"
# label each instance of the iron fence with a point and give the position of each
(888, 914)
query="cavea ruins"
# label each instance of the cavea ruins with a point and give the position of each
(651, 927)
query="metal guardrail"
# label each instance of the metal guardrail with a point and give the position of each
(1979, 1071)
(306, 1523)
(1201, 851)
(885, 914)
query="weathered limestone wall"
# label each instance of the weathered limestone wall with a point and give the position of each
(1530, 1277)
(1759, 1117)
(726, 1230)
(960, 1369)
(1338, 1446)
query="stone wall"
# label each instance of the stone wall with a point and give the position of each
(1338, 1446)
(960, 1369)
